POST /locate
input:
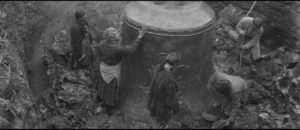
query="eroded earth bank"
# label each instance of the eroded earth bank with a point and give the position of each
(38, 90)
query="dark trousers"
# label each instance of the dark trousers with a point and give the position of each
(76, 54)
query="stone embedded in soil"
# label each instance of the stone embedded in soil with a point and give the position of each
(77, 76)
(173, 125)
(99, 109)
(209, 117)
(73, 93)
(97, 121)
(106, 121)
(251, 108)
(60, 122)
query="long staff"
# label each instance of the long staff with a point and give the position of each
(242, 40)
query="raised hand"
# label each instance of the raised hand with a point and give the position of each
(142, 32)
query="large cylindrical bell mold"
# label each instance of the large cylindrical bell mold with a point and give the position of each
(186, 28)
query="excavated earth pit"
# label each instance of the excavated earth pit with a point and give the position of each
(55, 98)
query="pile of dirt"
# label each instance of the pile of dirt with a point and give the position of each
(71, 97)
(275, 75)
(18, 107)
(71, 101)
(18, 21)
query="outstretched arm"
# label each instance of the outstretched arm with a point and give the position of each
(127, 49)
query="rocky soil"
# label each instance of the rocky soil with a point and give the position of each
(38, 90)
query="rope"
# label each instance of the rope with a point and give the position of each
(173, 35)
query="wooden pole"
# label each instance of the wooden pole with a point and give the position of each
(251, 9)
(242, 40)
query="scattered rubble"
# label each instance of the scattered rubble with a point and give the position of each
(72, 102)
(265, 113)
(272, 74)
(16, 100)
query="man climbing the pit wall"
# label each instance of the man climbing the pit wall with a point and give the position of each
(231, 93)
(78, 31)
(248, 33)
(163, 101)
(111, 52)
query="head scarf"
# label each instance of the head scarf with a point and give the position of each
(112, 35)
(172, 58)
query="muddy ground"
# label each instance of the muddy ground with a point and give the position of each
(32, 26)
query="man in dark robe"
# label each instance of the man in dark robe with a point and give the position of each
(111, 53)
(78, 33)
(163, 102)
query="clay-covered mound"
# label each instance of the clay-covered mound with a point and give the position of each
(17, 106)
